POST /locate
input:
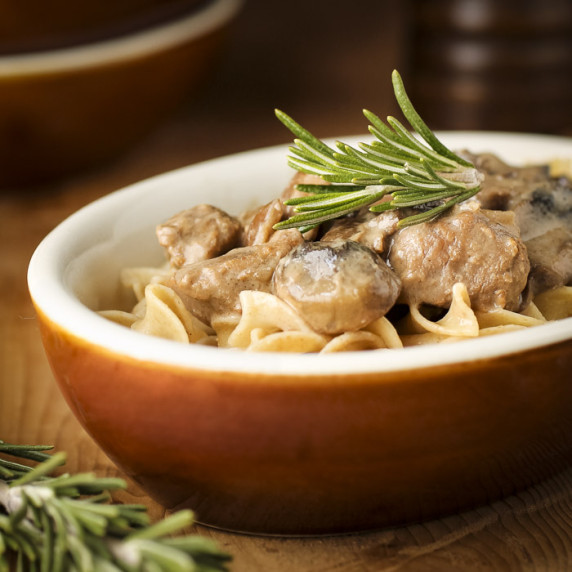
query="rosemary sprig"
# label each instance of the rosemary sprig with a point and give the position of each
(405, 171)
(66, 523)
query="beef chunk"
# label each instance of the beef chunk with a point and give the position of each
(212, 287)
(464, 245)
(543, 208)
(550, 257)
(503, 182)
(291, 191)
(544, 216)
(259, 228)
(198, 233)
(370, 229)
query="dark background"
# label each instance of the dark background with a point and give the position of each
(467, 64)
(320, 62)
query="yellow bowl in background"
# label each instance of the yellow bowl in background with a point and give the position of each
(68, 109)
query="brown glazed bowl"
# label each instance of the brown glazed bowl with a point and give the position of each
(72, 108)
(284, 443)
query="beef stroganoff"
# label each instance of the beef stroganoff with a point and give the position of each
(397, 242)
(499, 262)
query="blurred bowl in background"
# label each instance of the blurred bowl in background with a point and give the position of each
(69, 109)
(34, 25)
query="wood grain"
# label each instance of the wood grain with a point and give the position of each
(531, 531)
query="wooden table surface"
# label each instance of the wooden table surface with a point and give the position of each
(528, 531)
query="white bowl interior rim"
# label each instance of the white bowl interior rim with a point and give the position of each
(135, 45)
(46, 280)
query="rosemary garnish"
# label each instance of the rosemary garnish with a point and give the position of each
(65, 523)
(396, 166)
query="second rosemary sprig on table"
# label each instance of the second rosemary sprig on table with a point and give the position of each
(412, 172)
(65, 523)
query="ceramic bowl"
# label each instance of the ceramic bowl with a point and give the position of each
(294, 444)
(69, 109)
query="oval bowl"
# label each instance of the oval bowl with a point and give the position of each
(294, 444)
(70, 109)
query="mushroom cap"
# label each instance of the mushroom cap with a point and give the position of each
(336, 286)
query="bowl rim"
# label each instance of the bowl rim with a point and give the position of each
(48, 290)
(141, 43)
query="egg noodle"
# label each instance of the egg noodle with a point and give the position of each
(269, 324)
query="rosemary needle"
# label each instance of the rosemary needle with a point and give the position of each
(396, 170)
